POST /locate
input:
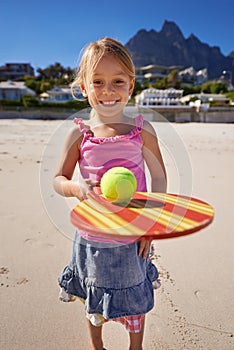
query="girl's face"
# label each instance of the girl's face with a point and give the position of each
(110, 87)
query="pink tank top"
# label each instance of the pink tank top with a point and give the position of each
(98, 154)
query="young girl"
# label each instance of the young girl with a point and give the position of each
(115, 281)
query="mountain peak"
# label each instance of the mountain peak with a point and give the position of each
(170, 29)
(169, 25)
(193, 37)
(168, 47)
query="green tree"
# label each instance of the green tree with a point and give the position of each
(55, 71)
(172, 78)
(214, 87)
(191, 89)
(45, 86)
(29, 101)
(137, 88)
(33, 85)
(230, 94)
(161, 83)
(218, 87)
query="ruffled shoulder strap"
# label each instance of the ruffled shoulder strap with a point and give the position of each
(83, 128)
(139, 121)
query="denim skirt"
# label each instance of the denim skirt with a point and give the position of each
(111, 278)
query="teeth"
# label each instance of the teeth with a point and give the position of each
(108, 102)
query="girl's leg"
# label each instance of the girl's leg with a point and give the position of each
(95, 337)
(136, 339)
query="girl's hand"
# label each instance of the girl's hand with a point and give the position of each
(84, 187)
(144, 247)
(91, 183)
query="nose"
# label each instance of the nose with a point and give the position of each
(108, 88)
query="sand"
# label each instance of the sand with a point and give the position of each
(194, 308)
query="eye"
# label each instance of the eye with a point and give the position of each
(97, 82)
(119, 82)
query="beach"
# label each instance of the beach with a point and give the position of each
(194, 308)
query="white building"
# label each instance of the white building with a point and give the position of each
(11, 71)
(201, 76)
(157, 97)
(152, 72)
(191, 76)
(203, 100)
(13, 90)
(61, 94)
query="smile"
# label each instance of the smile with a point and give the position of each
(108, 103)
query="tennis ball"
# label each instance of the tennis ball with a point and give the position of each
(118, 185)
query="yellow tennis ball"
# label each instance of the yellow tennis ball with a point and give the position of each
(118, 185)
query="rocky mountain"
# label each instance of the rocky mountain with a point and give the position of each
(169, 47)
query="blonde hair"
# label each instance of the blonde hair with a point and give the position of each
(93, 54)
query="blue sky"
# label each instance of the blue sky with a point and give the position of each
(47, 31)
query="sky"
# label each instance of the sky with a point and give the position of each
(47, 31)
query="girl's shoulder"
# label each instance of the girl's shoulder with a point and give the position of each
(74, 136)
(140, 122)
(148, 131)
(81, 125)
(145, 125)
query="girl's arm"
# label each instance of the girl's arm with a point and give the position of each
(63, 183)
(153, 158)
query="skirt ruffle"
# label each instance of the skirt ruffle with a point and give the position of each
(111, 303)
(113, 281)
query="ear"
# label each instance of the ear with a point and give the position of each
(131, 87)
(83, 90)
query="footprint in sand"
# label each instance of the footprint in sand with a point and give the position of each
(37, 241)
(4, 272)
(23, 280)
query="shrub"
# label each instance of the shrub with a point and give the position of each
(29, 101)
(6, 103)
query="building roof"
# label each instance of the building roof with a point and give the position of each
(12, 84)
(16, 85)
(59, 91)
(205, 97)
